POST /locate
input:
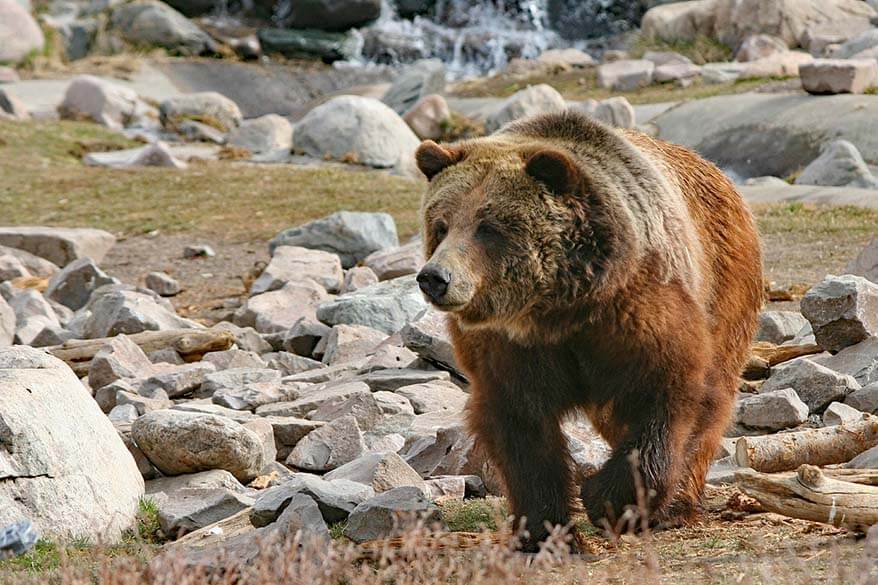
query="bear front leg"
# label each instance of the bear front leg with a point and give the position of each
(524, 440)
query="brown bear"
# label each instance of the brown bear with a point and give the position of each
(584, 268)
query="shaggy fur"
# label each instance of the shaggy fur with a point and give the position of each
(600, 271)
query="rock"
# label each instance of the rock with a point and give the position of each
(422, 78)
(866, 262)
(194, 131)
(20, 35)
(309, 44)
(864, 400)
(60, 246)
(832, 76)
(856, 45)
(128, 311)
(13, 106)
(537, 99)
(205, 406)
(859, 361)
(7, 323)
(438, 444)
(346, 343)
(680, 21)
(676, 72)
(158, 400)
(842, 310)
(153, 155)
(816, 385)
(73, 285)
(839, 413)
(278, 310)
(335, 499)
(289, 363)
(187, 510)
(332, 15)
(616, 111)
(759, 46)
(180, 442)
(718, 73)
(380, 471)
(391, 379)
(779, 326)
(266, 134)
(772, 411)
(363, 407)
(246, 388)
(427, 336)
(208, 107)
(627, 75)
(573, 58)
(328, 447)
(153, 23)
(234, 358)
(263, 429)
(866, 460)
(358, 277)
(176, 381)
(302, 517)
(32, 314)
(446, 487)
(304, 336)
(213, 479)
(162, 284)
(391, 403)
(429, 117)
(294, 263)
(357, 129)
(588, 450)
(12, 268)
(351, 235)
(70, 456)
(198, 251)
(392, 263)
(434, 396)
(388, 513)
(387, 306)
(288, 431)
(120, 358)
(839, 165)
(389, 356)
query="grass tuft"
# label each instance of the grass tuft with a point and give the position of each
(702, 50)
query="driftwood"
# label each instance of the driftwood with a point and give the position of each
(191, 344)
(778, 354)
(825, 446)
(810, 494)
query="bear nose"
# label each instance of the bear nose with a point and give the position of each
(434, 280)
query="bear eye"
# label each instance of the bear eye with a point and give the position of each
(440, 231)
(488, 232)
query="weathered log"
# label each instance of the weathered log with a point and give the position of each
(826, 446)
(863, 476)
(191, 344)
(810, 495)
(778, 354)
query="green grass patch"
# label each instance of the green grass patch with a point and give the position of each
(702, 50)
(474, 515)
(847, 222)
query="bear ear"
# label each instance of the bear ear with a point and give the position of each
(433, 159)
(554, 169)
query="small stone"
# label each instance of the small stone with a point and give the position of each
(393, 403)
(167, 355)
(428, 337)
(289, 364)
(278, 310)
(143, 404)
(446, 487)
(234, 358)
(380, 471)
(434, 396)
(162, 284)
(246, 388)
(204, 406)
(626, 75)
(389, 512)
(772, 411)
(314, 399)
(288, 431)
(389, 356)
(123, 414)
(198, 251)
(815, 385)
(842, 310)
(329, 447)
(293, 263)
(839, 413)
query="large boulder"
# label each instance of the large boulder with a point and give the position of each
(332, 15)
(350, 234)
(387, 306)
(269, 133)
(60, 246)
(207, 107)
(680, 21)
(66, 469)
(357, 129)
(153, 23)
(839, 165)
(853, 47)
(537, 99)
(833, 76)
(20, 35)
(107, 103)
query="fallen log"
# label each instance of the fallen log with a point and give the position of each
(810, 495)
(825, 446)
(191, 344)
(778, 354)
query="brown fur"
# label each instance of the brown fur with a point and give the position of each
(598, 271)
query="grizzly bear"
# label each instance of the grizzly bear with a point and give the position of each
(584, 268)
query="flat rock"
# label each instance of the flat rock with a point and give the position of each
(816, 385)
(834, 76)
(157, 154)
(328, 447)
(380, 471)
(234, 358)
(387, 306)
(626, 75)
(187, 510)
(61, 246)
(391, 379)
(266, 134)
(176, 381)
(389, 513)
(774, 410)
(213, 479)
(294, 263)
(434, 396)
(843, 311)
(839, 165)
(330, 393)
(278, 310)
(839, 413)
(362, 406)
(346, 343)
(245, 388)
(395, 262)
(336, 499)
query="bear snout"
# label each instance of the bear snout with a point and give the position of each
(433, 281)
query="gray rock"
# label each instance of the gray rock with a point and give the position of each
(392, 379)
(180, 442)
(759, 46)
(393, 403)
(387, 306)
(775, 410)
(20, 35)
(12, 268)
(865, 399)
(263, 429)
(349, 234)
(358, 277)
(288, 431)
(428, 337)
(246, 388)
(213, 479)
(162, 284)
(193, 131)
(278, 310)
(107, 103)
(234, 358)
(7, 323)
(429, 118)
(60, 246)
(346, 343)
(152, 23)
(332, 15)
(438, 444)
(626, 75)
(123, 414)
(328, 447)
(336, 499)
(719, 73)
(337, 373)
(209, 105)
(843, 311)
(866, 460)
(294, 263)
(13, 106)
(157, 154)
(815, 385)
(380, 471)
(446, 487)
(309, 44)
(866, 262)
(60, 448)
(246, 338)
(304, 336)
(857, 44)
(389, 512)
(204, 406)
(143, 404)
(418, 80)
(537, 99)
(780, 326)
(434, 396)
(363, 407)
(362, 128)
(73, 285)
(176, 381)
(122, 310)
(616, 111)
(289, 364)
(833, 76)
(395, 262)
(198, 251)
(302, 517)
(120, 358)
(839, 413)
(187, 510)
(839, 165)
(388, 356)
(266, 134)
(859, 361)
